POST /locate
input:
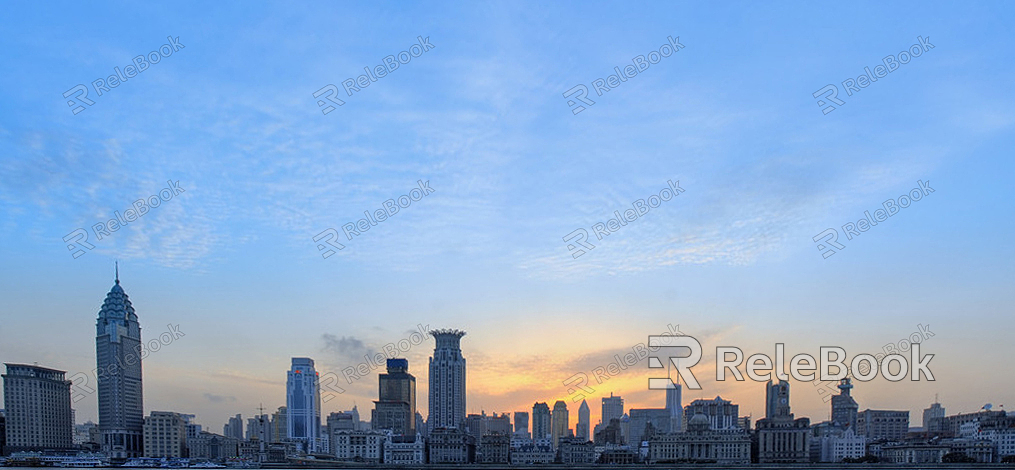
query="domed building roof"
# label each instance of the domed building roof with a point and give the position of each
(699, 422)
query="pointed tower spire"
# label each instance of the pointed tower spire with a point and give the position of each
(117, 264)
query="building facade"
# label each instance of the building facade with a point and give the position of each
(303, 403)
(451, 446)
(447, 381)
(494, 448)
(702, 444)
(581, 430)
(612, 408)
(521, 424)
(844, 407)
(118, 362)
(560, 426)
(883, 424)
(541, 421)
(395, 408)
(37, 409)
(359, 446)
(212, 446)
(781, 438)
(646, 422)
(165, 435)
(721, 414)
(405, 450)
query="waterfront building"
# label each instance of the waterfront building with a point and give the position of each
(165, 435)
(701, 443)
(118, 360)
(559, 422)
(781, 438)
(541, 421)
(451, 446)
(882, 424)
(303, 403)
(37, 409)
(447, 381)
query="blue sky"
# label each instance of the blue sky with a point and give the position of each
(481, 116)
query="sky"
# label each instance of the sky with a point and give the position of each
(230, 118)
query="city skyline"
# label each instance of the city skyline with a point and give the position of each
(823, 392)
(219, 183)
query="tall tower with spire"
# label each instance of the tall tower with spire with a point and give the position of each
(118, 358)
(447, 381)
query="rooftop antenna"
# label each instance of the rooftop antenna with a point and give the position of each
(117, 264)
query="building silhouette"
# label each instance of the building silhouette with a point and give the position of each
(118, 358)
(844, 407)
(447, 381)
(395, 408)
(541, 421)
(521, 424)
(581, 430)
(559, 422)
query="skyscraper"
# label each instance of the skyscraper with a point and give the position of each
(844, 407)
(560, 425)
(447, 381)
(613, 408)
(777, 399)
(37, 404)
(303, 403)
(522, 423)
(540, 421)
(395, 408)
(581, 430)
(674, 404)
(118, 357)
(782, 439)
(234, 428)
(935, 411)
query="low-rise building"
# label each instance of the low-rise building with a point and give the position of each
(165, 435)
(405, 450)
(532, 455)
(493, 448)
(574, 451)
(451, 446)
(359, 446)
(701, 443)
(913, 452)
(212, 446)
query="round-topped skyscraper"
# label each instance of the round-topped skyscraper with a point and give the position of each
(447, 381)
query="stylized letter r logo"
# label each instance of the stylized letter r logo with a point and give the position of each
(680, 347)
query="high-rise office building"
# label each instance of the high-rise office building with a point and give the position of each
(934, 411)
(560, 422)
(721, 414)
(395, 408)
(844, 407)
(541, 421)
(303, 403)
(581, 430)
(37, 409)
(279, 425)
(522, 423)
(613, 408)
(447, 381)
(165, 435)
(674, 404)
(234, 428)
(882, 424)
(781, 438)
(118, 357)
